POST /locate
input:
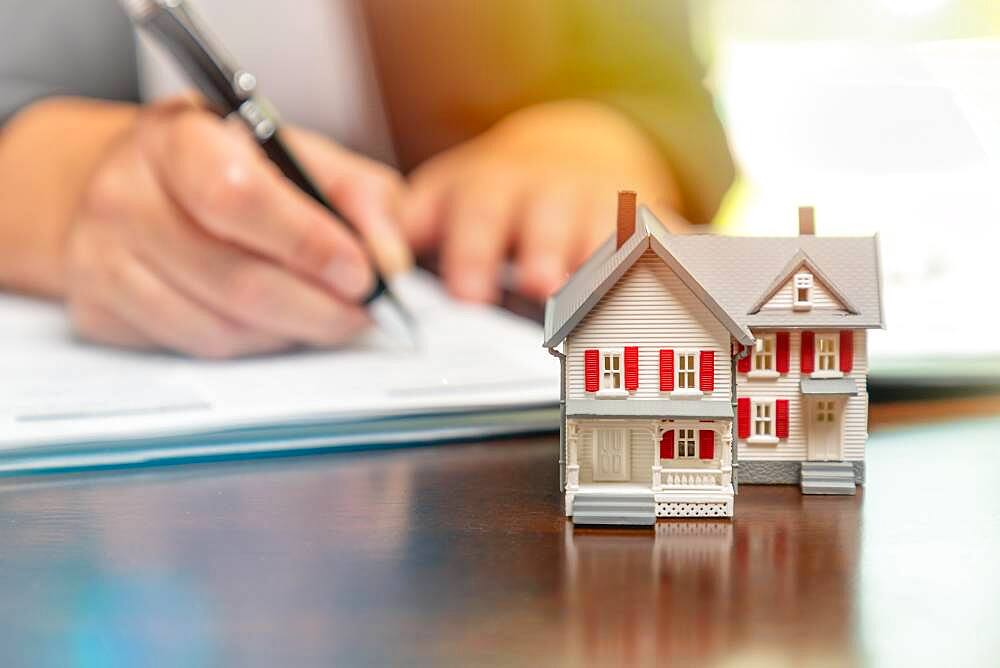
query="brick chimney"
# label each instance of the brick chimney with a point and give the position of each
(807, 221)
(626, 216)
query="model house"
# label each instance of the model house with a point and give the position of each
(693, 362)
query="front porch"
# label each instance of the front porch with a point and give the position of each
(683, 467)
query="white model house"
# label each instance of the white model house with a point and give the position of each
(691, 362)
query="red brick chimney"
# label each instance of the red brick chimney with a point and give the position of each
(807, 221)
(626, 216)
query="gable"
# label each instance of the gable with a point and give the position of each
(820, 296)
(649, 307)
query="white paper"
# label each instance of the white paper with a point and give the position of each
(57, 390)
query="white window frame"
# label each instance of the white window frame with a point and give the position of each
(770, 420)
(802, 281)
(695, 372)
(611, 392)
(689, 444)
(759, 345)
(835, 372)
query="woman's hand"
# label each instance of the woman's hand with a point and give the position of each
(188, 239)
(541, 185)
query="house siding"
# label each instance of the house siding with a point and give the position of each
(652, 309)
(787, 386)
(821, 298)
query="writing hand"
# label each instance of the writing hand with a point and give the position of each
(188, 239)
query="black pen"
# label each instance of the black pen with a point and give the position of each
(232, 91)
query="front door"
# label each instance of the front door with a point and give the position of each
(824, 430)
(611, 455)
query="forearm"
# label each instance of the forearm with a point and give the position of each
(47, 155)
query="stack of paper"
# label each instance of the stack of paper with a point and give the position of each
(65, 405)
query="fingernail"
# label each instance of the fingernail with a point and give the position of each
(350, 277)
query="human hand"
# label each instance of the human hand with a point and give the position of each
(189, 239)
(541, 185)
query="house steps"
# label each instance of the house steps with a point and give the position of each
(828, 478)
(622, 510)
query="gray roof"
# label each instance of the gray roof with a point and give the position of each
(831, 386)
(652, 408)
(732, 276)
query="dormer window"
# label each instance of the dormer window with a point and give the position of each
(802, 285)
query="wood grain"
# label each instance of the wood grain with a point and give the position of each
(458, 555)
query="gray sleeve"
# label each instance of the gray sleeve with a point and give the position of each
(64, 47)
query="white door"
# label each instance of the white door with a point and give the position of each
(611, 455)
(825, 431)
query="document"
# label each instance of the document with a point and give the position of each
(64, 404)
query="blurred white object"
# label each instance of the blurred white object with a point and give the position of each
(66, 404)
(880, 135)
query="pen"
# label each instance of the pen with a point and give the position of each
(232, 91)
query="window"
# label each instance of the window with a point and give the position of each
(686, 371)
(611, 370)
(802, 285)
(686, 443)
(824, 411)
(826, 353)
(763, 420)
(763, 354)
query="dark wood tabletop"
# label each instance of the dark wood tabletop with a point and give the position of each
(458, 555)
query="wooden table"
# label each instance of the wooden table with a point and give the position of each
(459, 555)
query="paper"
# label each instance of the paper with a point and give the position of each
(474, 360)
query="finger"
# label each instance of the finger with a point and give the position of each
(480, 217)
(241, 286)
(256, 293)
(226, 185)
(151, 306)
(238, 285)
(546, 243)
(367, 192)
(99, 325)
(596, 223)
(425, 204)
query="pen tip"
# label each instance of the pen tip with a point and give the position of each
(395, 321)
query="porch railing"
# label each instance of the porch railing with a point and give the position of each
(690, 477)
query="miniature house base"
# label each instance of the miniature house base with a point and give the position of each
(694, 364)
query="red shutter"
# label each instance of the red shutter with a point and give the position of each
(706, 371)
(808, 352)
(666, 371)
(781, 418)
(743, 364)
(667, 445)
(591, 375)
(781, 344)
(846, 350)
(631, 368)
(706, 444)
(743, 417)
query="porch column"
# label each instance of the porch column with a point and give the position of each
(572, 457)
(657, 483)
(726, 435)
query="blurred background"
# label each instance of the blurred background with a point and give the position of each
(883, 114)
